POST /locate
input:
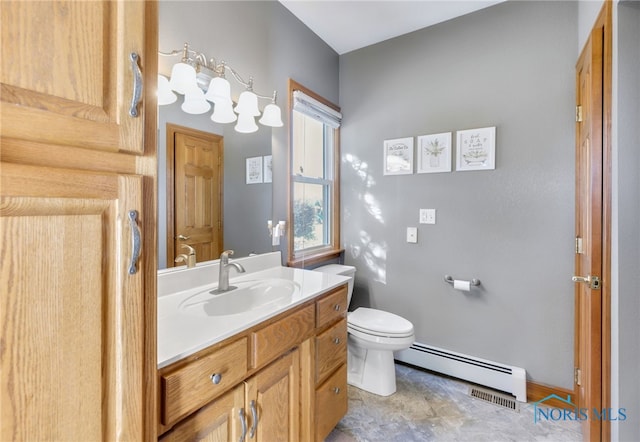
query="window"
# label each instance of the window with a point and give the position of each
(314, 206)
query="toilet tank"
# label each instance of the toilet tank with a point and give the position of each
(340, 269)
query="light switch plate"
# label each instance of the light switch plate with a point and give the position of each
(412, 234)
(427, 216)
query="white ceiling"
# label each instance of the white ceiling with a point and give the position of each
(353, 24)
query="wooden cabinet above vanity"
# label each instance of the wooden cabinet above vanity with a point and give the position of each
(282, 379)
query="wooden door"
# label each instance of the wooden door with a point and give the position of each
(589, 231)
(66, 74)
(272, 401)
(198, 194)
(219, 421)
(72, 314)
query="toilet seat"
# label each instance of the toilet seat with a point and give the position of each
(379, 323)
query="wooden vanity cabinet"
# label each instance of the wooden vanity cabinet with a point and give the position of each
(329, 378)
(288, 369)
(274, 394)
(77, 182)
(216, 422)
(267, 403)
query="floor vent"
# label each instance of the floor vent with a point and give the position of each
(500, 399)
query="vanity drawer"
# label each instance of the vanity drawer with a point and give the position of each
(275, 339)
(332, 307)
(193, 385)
(331, 402)
(331, 349)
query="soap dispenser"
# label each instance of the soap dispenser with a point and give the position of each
(190, 258)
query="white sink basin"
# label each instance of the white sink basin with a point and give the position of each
(249, 295)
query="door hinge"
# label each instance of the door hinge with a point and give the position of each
(578, 114)
(577, 376)
(579, 245)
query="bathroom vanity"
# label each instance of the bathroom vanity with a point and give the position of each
(269, 372)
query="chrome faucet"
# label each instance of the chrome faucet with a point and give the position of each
(225, 266)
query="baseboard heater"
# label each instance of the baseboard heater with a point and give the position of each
(480, 371)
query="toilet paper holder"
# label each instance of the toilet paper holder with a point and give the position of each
(474, 281)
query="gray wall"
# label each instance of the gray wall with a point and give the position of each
(626, 357)
(509, 66)
(259, 39)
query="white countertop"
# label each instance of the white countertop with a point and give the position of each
(181, 334)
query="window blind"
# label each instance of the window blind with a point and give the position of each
(313, 108)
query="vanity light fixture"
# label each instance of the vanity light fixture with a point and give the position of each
(202, 82)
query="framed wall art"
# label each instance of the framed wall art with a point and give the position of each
(398, 156)
(267, 168)
(434, 153)
(476, 149)
(254, 170)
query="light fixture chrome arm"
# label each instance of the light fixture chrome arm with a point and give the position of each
(199, 59)
(197, 74)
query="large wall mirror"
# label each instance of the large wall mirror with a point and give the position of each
(245, 207)
(265, 41)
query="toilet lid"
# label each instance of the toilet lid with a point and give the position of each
(380, 323)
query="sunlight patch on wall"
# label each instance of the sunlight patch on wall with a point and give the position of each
(361, 170)
(372, 253)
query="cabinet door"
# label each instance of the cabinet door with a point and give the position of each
(273, 401)
(217, 422)
(71, 314)
(66, 77)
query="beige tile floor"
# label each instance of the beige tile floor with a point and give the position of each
(429, 407)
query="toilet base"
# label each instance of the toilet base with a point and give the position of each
(371, 370)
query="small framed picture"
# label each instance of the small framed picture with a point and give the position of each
(267, 169)
(476, 149)
(398, 156)
(254, 170)
(434, 153)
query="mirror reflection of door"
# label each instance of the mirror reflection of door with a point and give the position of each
(194, 193)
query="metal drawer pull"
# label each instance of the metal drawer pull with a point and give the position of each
(254, 416)
(135, 242)
(137, 84)
(336, 390)
(337, 307)
(243, 422)
(336, 341)
(216, 378)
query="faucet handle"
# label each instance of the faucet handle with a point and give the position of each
(226, 253)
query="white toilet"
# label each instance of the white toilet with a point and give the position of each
(373, 337)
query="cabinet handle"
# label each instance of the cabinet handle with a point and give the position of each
(243, 422)
(336, 390)
(337, 307)
(254, 416)
(135, 241)
(336, 341)
(216, 378)
(137, 84)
